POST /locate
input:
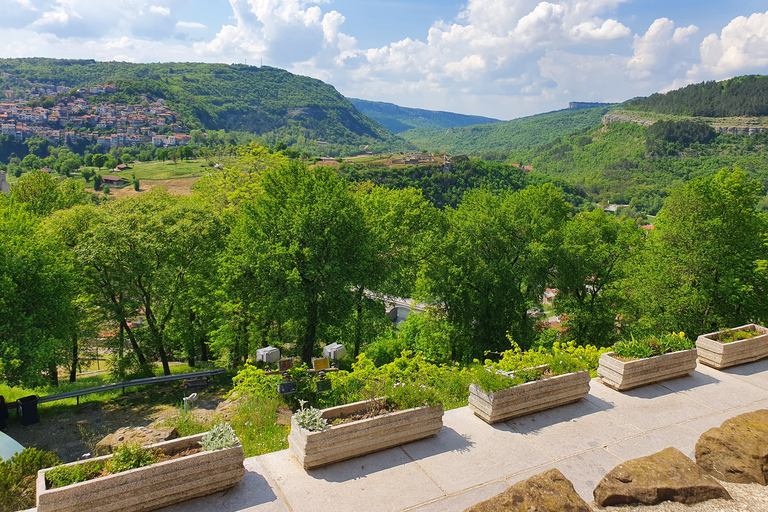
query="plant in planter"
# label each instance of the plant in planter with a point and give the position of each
(653, 359)
(515, 387)
(393, 413)
(730, 347)
(145, 478)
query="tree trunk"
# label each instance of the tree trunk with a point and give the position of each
(164, 359)
(53, 371)
(310, 336)
(134, 344)
(75, 359)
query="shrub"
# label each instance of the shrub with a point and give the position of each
(653, 346)
(65, 475)
(130, 456)
(220, 436)
(18, 475)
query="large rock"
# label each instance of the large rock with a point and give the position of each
(546, 492)
(664, 476)
(737, 451)
(135, 435)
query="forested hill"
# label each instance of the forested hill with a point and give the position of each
(398, 119)
(522, 133)
(270, 102)
(740, 96)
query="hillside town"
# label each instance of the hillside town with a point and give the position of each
(73, 118)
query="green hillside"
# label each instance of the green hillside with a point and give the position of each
(398, 119)
(626, 163)
(269, 102)
(522, 133)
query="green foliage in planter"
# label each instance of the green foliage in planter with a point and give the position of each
(66, 475)
(560, 359)
(130, 456)
(490, 379)
(652, 346)
(255, 422)
(18, 475)
(730, 335)
(220, 436)
(311, 419)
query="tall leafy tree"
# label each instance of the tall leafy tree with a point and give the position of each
(295, 255)
(699, 272)
(592, 258)
(37, 289)
(139, 257)
(493, 262)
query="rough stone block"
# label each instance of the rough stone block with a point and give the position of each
(737, 450)
(546, 492)
(664, 476)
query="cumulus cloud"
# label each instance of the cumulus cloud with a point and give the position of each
(663, 51)
(741, 48)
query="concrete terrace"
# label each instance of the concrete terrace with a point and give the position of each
(470, 461)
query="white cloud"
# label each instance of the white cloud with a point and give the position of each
(741, 48)
(159, 10)
(662, 52)
(190, 24)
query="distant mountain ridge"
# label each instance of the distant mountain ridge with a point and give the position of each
(398, 119)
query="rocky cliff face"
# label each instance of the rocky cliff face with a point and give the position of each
(738, 130)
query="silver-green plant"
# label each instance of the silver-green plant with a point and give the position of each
(311, 419)
(220, 436)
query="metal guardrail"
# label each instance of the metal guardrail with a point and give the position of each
(122, 385)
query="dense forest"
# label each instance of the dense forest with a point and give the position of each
(741, 96)
(272, 103)
(398, 119)
(497, 139)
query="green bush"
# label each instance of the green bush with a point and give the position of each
(130, 456)
(62, 476)
(18, 475)
(311, 419)
(652, 346)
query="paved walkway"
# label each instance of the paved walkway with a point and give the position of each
(470, 461)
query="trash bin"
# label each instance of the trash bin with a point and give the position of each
(28, 408)
(3, 412)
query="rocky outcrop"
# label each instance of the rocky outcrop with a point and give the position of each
(142, 436)
(545, 492)
(741, 130)
(737, 450)
(618, 118)
(664, 476)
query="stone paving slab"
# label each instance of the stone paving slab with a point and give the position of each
(584, 470)
(386, 481)
(469, 452)
(470, 461)
(647, 408)
(652, 442)
(462, 501)
(552, 430)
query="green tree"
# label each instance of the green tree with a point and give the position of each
(87, 174)
(492, 264)
(98, 179)
(699, 271)
(295, 254)
(99, 160)
(32, 162)
(591, 264)
(37, 289)
(138, 256)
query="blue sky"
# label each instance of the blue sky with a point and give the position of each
(498, 58)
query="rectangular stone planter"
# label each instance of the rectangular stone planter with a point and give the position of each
(529, 397)
(350, 440)
(714, 353)
(621, 375)
(150, 487)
